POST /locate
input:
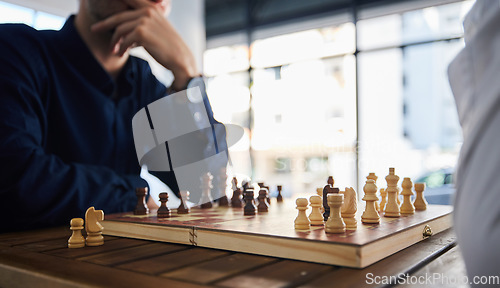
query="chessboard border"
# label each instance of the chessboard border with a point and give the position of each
(344, 254)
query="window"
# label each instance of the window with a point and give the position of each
(312, 103)
(10, 13)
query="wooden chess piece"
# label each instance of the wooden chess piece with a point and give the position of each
(262, 186)
(249, 208)
(163, 211)
(335, 223)
(392, 208)
(349, 209)
(93, 227)
(263, 205)
(222, 185)
(420, 202)
(327, 190)
(370, 215)
(183, 207)
(302, 222)
(383, 195)
(206, 188)
(141, 208)
(330, 181)
(279, 198)
(407, 207)
(76, 240)
(374, 177)
(315, 217)
(236, 199)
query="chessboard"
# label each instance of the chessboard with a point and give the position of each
(273, 234)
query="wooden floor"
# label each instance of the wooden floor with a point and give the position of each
(41, 259)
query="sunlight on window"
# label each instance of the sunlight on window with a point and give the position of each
(10, 13)
(44, 21)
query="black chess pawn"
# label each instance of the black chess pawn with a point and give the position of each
(183, 207)
(263, 205)
(163, 211)
(262, 186)
(141, 208)
(279, 198)
(249, 208)
(236, 200)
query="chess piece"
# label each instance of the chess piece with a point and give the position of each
(222, 185)
(302, 222)
(236, 200)
(141, 208)
(163, 211)
(420, 202)
(349, 209)
(279, 198)
(327, 190)
(407, 207)
(335, 224)
(263, 205)
(183, 207)
(319, 191)
(76, 240)
(249, 208)
(383, 195)
(392, 208)
(370, 215)
(93, 227)
(206, 187)
(330, 181)
(315, 217)
(374, 177)
(262, 186)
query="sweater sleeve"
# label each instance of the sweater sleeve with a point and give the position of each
(38, 188)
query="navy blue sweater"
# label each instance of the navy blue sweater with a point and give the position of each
(65, 128)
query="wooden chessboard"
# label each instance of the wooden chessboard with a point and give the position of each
(273, 233)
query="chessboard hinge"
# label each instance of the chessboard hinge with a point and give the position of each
(193, 236)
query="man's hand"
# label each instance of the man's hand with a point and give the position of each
(146, 25)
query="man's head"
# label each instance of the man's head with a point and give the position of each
(101, 9)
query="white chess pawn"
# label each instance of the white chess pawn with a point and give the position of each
(407, 207)
(420, 202)
(392, 207)
(315, 217)
(76, 240)
(349, 209)
(335, 224)
(370, 215)
(302, 222)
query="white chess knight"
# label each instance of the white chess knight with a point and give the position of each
(474, 81)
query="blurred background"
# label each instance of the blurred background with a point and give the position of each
(321, 87)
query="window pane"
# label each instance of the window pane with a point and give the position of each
(432, 23)
(15, 14)
(306, 45)
(303, 111)
(225, 60)
(44, 21)
(408, 118)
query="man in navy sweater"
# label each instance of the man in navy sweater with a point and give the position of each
(66, 106)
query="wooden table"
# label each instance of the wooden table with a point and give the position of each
(40, 259)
